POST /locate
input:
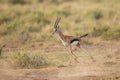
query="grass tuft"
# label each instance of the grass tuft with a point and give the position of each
(106, 32)
(65, 13)
(112, 34)
(27, 60)
(98, 31)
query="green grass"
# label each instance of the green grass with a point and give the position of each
(112, 34)
(37, 59)
(27, 21)
(65, 13)
(99, 31)
(107, 33)
(27, 60)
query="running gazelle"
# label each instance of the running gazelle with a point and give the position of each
(68, 41)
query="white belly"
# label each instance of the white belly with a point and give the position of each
(74, 42)
(65, 43)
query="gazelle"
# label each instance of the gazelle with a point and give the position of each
(68, 41)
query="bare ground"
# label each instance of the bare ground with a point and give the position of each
(106, 67)
(79, 72)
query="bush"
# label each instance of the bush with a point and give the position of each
(112, 34)
(4, 18)
(97, 14)
(25, 60)
(59, 1)
(94, 14)
(39, 18)
(19, 59)
(99, 31)
(17, 1)
(106, 32)
(40, 1)
(8, 28)
(24, 36)
(62, 12)
(38, 61)
(34, 28)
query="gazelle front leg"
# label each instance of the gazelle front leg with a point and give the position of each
(73, 54)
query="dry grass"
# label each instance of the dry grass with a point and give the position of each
(26, 27)
(106, 67)
(30, 20)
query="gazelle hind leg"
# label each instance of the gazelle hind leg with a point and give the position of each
(71, 56)
(74, 55)
(80, 47)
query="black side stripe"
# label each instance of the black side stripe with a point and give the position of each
(74, 40)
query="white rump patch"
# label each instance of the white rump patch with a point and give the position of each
(74, 42)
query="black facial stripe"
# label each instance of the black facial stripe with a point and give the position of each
(74, 40)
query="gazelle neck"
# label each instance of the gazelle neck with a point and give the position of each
(61, 36)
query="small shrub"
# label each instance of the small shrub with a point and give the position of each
(106, 32)
(24, 36)
(98, 1)
(20, 59)
(97, 14)
(39, 18)
(17, 1)
(94, 14)
(40, 1)
(62, 12)
(112, 34)
(12, 26)
(8, 28)
(59, 1)
(34, 29)
(25, 60)
(4, 18)
(99, 31)
(38, 61)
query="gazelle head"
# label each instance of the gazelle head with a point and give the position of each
(56, 26)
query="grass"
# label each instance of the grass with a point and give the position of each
(97, 14)
(27, 60)
(100, 30)
(65, 13)
(30, 22)
(112, 34)
(107, 33)
(37, 59)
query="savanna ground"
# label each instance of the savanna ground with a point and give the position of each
(33, 53)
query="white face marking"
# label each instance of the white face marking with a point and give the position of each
(74, 42)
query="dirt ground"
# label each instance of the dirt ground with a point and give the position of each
(106, 67)
(77, 72)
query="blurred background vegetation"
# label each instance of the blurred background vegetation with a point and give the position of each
(27, 25)
(31, 21)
